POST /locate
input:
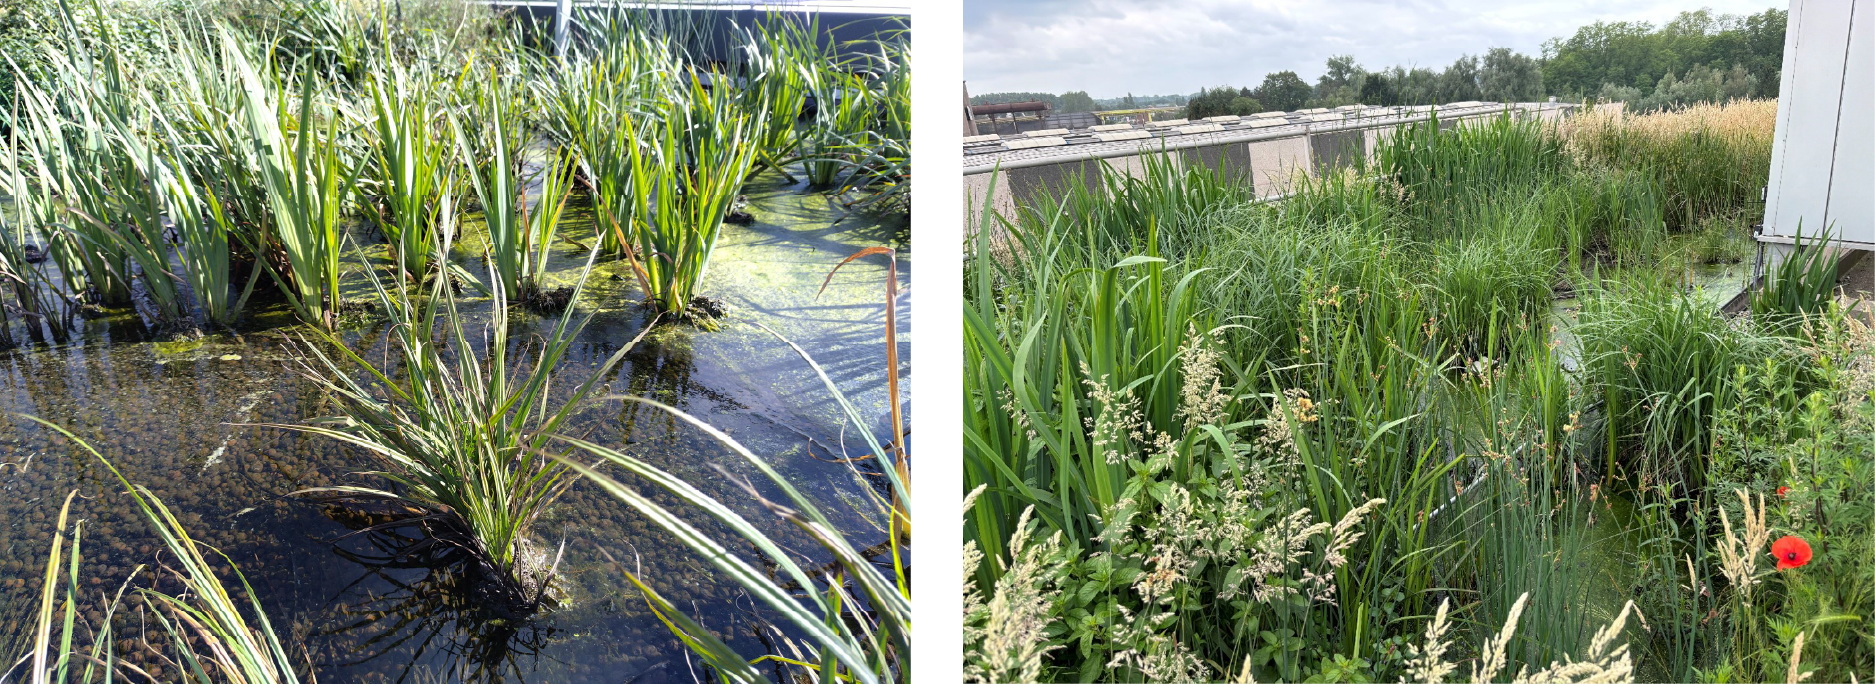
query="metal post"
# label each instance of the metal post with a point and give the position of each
(562, 27)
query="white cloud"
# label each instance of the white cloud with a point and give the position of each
(1111, 47)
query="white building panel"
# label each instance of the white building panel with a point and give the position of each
(1852, 182)
(1823, 155)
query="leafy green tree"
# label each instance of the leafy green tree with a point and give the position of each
(1638, 55)
(1377, 89)
(1076, 101)
(1282, 91)
(1342, 72)
(1339, 84)
(1701, 84)
(1212, 102)
(1458, 83)
(1510, 76)
(1053, 100)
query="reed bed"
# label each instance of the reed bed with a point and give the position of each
(345, 156)
(1709, 159)
(128, 172)
(1365, 433)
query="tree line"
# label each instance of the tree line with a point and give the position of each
(1699, 56)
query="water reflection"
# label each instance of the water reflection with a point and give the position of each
(417, 602)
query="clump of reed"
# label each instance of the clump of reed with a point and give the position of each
(520, 236)
(462, 434)
(878, 160)
(1663, 363)
(1442, 169)
(1611, 216)
(126, 168)
(411, 167)
(1493, 285)
(1709, 159)
(687, 168)
(1802, 284)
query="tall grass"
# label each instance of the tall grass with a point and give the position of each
(1708, 159)
(1802, 284)
(843, 111)
(1442, 170)
(1605, 215)
(1377, 412)
(307, 179)
(1662, 363)
(879, 163)
(1034, 362)
(413, 166)
(782, 56)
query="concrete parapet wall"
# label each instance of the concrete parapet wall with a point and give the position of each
(1270, 157)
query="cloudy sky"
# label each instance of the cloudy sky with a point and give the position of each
(1112, 47)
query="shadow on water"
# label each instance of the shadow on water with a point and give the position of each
(182, 418)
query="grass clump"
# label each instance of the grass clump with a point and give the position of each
(461, 433)
(1802, 284)
(687, 169)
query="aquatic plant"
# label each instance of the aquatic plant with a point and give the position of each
(1604, 215)
(1803, 284)
(1663, 362)
(1708, 159)
(1443, 169)
(687, 168)
(413, 166)
(209, 629)
(460, 431)
(843, 111)
(780, 55)
(35, 286)
(307, 179)
(592, 109)
(877, 162)
(74, 140)
(519, 236)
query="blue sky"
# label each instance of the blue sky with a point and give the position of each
(1111, 47)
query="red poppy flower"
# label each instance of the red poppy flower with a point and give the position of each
(1781, 491)
(1791, 552)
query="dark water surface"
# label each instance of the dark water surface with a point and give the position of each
(177, 417)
